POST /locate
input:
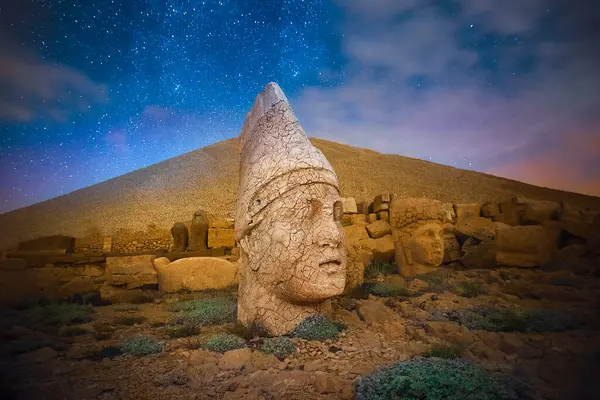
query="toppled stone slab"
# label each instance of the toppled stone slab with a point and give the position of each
(379, 229)
(195, 274)
(523, 246)
(54, 242)
(464, 209)
(133, 271)
(477, 227)
(537, 211)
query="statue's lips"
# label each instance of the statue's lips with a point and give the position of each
(331, 265)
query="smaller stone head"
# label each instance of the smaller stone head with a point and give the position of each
(418, 231)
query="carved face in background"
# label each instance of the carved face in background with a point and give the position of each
(426, 245)
(298, 249)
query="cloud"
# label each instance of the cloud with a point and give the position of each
(414, 87)
(31, 87)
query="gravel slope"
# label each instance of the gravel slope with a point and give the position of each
(207, 178)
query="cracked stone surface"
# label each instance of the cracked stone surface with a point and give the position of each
(418, 231)
(288, 220)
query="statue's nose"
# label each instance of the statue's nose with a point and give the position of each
(329, 234)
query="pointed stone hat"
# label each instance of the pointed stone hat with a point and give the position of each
(276, 157)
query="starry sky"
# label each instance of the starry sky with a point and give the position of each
(93, 89)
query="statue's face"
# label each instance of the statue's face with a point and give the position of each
(298, 250)
(427, 244)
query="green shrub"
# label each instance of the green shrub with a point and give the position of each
(222, 342)
(140, 346)
(56, 314)
(469, 289)
(443, 351)
(436, 379)
(280, 347)
(513, 320)
(129, 320)
(377, 267)
(388, 289)
(437, 280)
(180, 331)
(317, 327)
(204, 312)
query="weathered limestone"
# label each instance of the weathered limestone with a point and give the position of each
(221, 237)
(381, 202)
(133, 271)
(54, 242)
(451, 248)
(355, 275)
(511, 211)
(478, 227)
(107, 244)
(523, 246)
(464, 209)
(379, 229)
(288, 212)
(381, 249)
(417, 230)
(449, 212)
(537, 211)
(349, 204)
(479, 255)
(362, 207)
(383, 215)
(195, 274)
(490, 210)
(372, 218)
(358, 219)
(180, 236)
(199, 231)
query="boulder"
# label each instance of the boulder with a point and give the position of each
(464, 209)
(523, 246)
(451, 248)
(355, 275)
(358, 219)
(349, 204)
(477, 227)
(196, 274)
(537, 211)
(78, 285)
(133, 271)
(379, 229)
(449, 213)
(382, 248)
(490, 210)
(54, 242)
(372, 312)
(355, 233)
(381, 202)
(180, 236)
(221, 237)
(478, 255)
(199, 231)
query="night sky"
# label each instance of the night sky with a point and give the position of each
(90, 90)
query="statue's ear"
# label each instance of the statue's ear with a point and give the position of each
(246, 248)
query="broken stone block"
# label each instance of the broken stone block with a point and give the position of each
(490, 210)
(133, 271)
(372, 218)
(478, 227)
(195, 274)
(537, 211)
(378, 229)
(383, 216)
(471, 208)
(523, 246)
(358, 219)
(221, 237)
(349, 204)
(381, 202)
(451, 248)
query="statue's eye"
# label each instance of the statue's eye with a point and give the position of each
(338, 210)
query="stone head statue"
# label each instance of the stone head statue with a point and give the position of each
(418, 233)
(288, 220)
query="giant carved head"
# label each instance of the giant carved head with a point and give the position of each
(288, 209)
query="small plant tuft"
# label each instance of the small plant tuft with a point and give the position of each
(141, 346)
(379, 268)
(317, 327)
(128, 321)
(436, 378)
(204, 312)
(181, 331)
(57, 314)
(469, 289)
(437, 280)
(222, 342)
(388, 289)
(280, 347)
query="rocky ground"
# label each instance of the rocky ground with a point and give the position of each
(534, 324)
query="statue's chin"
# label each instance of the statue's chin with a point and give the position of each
(314, 292)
